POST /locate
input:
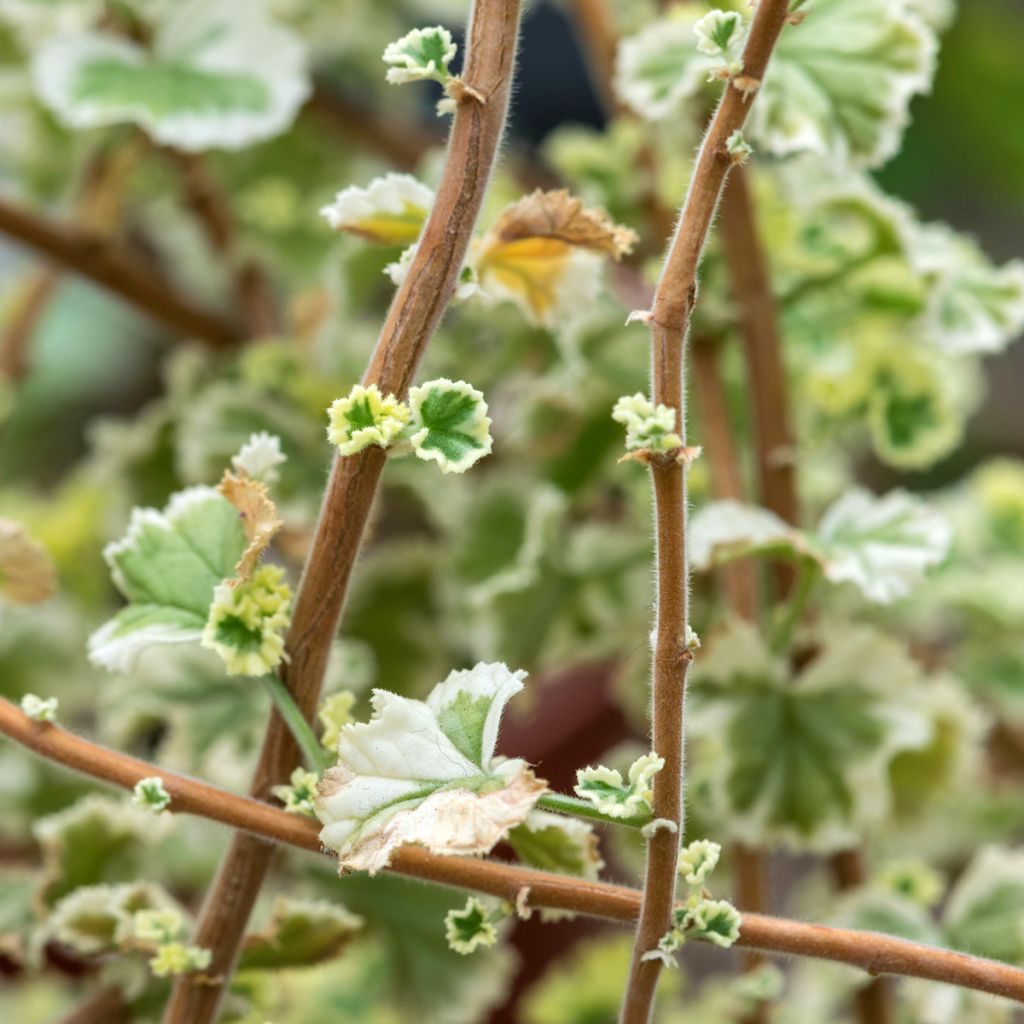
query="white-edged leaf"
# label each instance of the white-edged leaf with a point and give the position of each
(300, 933)
(726, 530)
(450, 425)
(214, 77)
(883, 545)
(390, 210)
(167, 566)
(802, 759)
(660, 66)
(972, 305)
(424, 772)
(840, 83)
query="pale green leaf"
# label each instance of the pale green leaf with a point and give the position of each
(840, 83)
(985, 912)
(210, 79)
(168, 565)
(300, 933)
(425, 773)
(803, 759)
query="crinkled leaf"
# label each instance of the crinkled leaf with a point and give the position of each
(873, 909)
(554, 842)
(450, 425)
(167, 566)
(424, 773)
(972, 305)
(840, 83)
(94, 840)
(883, 545)
(391, 210)
(544, 253)
(300, 933)
(210, 79)
(803, 760)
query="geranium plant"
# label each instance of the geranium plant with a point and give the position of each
(445, 667)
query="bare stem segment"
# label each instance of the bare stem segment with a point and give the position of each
(669, 321)
(414, 315)
(874, 953)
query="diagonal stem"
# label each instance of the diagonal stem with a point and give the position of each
(669, 322)
(414, 315)
(872, 952)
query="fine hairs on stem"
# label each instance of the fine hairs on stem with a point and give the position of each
(669, 321)
(872, 952)
(415, 312)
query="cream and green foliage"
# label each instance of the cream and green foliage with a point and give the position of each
(167, 567)
(209, 79)
(882, 545)
(422, 54)
(802, 758)
(151, 795)
(391, 210)
(445, 421)
(424, 772)
(449, 424)
(365, 417)
(300, 933)
(470, 928)
(649, 427)
(840, 84)
(617, 797)
(299, 795)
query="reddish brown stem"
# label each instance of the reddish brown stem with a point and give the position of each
(874, 953)
(21, 327)
(414, 315)
(94, 258)
(669, 321)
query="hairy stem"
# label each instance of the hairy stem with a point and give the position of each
(563, 804)
(91, 256)
(669, 321)
(414, 315)
(872, 952)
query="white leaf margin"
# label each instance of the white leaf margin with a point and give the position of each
(259, 48)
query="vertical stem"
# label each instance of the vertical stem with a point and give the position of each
(414, 315)
(669, 322)
(762, 344)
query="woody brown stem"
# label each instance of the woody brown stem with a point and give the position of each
(414, 315)
(874, 953)
(669, 322)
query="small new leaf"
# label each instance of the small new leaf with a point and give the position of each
(176, 958)
(470, 928)
(334, 713)
(424, 772)
(391, 210)
(40, 709)
(720, 33)
(422, 54)
(151, 795)
(247, 620)
(449, 424)
(698, 860)
(299, 795)
(606, 790)
(259, 457)
(365, 417)
(649, 427)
